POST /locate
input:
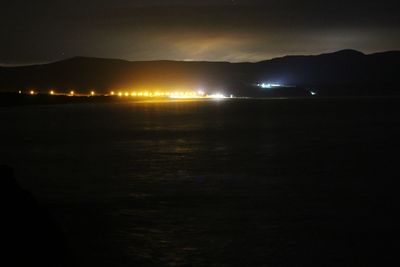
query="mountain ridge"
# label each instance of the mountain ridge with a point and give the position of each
(344, 72)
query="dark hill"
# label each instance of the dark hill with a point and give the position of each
(346, 72)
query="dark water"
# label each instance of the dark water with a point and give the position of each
(231, 183)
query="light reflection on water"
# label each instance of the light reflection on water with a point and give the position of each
(199, 183)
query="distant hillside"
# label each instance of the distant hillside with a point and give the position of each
(345, 72)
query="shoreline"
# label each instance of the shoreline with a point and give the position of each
(16, 100)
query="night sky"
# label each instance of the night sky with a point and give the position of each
(220, 30)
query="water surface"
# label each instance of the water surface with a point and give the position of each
(283, 182)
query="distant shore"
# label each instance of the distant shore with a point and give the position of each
(14, 99)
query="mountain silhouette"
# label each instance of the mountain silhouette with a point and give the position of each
(345, 72)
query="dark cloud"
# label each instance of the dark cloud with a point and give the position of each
(232, 30)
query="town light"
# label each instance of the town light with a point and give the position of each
(269, 85)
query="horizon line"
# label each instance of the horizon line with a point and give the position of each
(11, 65)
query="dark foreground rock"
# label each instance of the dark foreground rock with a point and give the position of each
(29, 236)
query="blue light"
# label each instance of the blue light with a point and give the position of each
(269, 85)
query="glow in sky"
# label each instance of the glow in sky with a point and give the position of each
(225, 30)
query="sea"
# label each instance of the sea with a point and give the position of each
(234, 182)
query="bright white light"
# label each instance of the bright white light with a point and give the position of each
(200, 92)
(217, 96)
(269, 85)
(313, 93)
